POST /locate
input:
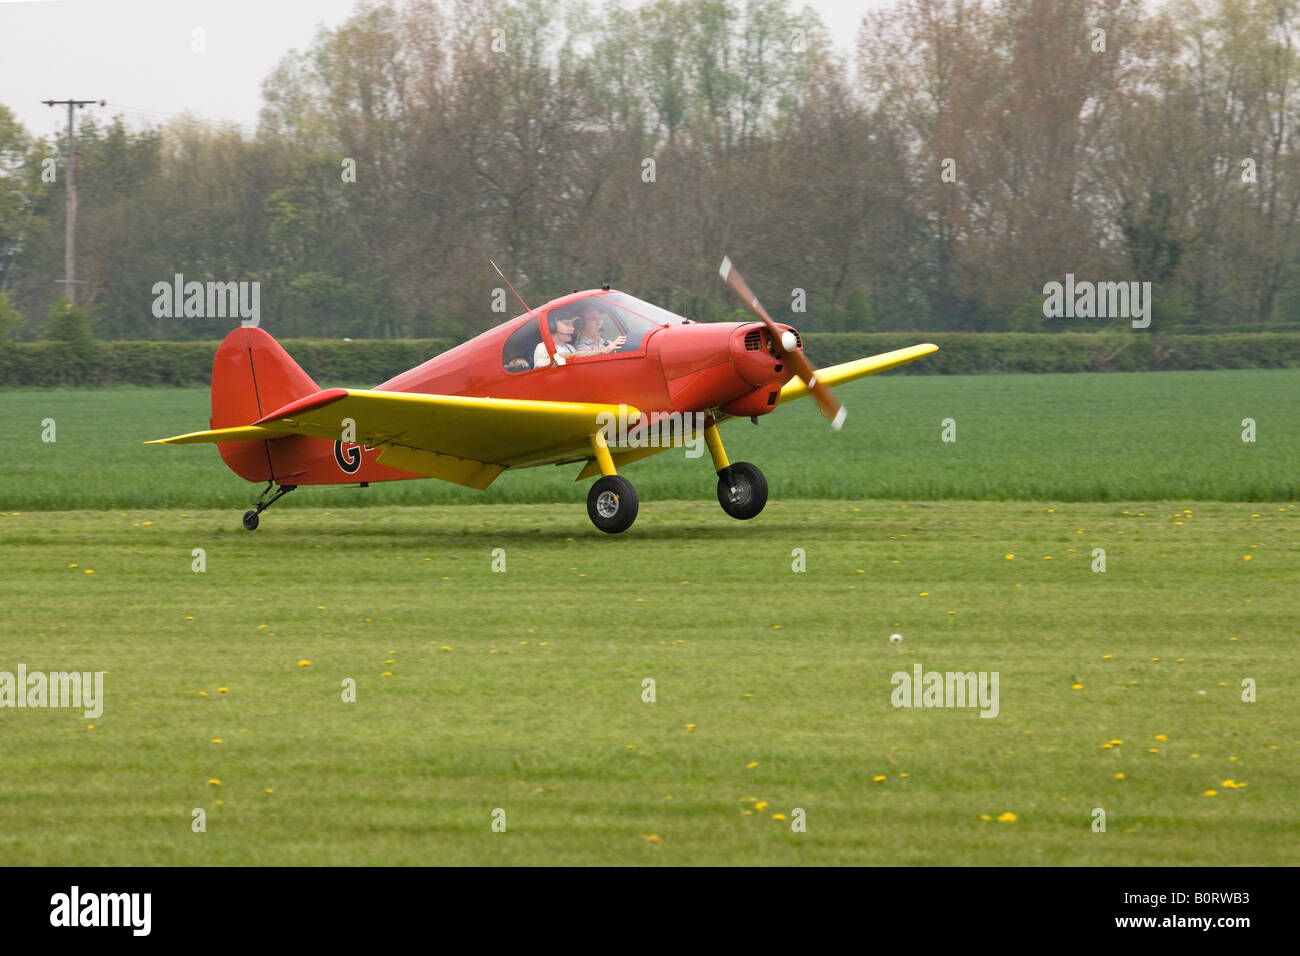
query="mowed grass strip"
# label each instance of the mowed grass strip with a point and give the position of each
(1089, 437)
(773, 688)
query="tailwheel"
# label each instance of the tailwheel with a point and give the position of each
(612, 504)
(742, 490)
(251, 518)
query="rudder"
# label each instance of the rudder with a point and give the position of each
(252, 376)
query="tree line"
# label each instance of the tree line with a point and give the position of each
(962, 156)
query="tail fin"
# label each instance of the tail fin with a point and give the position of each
(252, 376)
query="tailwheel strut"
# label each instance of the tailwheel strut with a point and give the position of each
(251, 517)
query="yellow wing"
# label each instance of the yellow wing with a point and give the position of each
(858, 368)
(457, 438)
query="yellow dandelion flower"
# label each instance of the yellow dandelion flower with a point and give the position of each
(1153, 750)
(1047, 557)
(214, 781)
(72, 565)
(778, 816)
(1211, 793)
(222, 690)
(925, 594)
(543, 644)
(1106, 657)
(640, 600)
(690, 726)
(1107, 746)
(203, 693)
(1246, 557)
(386, 674)
(261, 627)
(751, 765)
(1232, 759)
(390, 660)
(320, 607)
(904, 775)
(1154, 659)
(879, 778)
(269, 790)
(1161, 737)
(1007, 817)
(1117, 742)
(1119, 776)
(1193, 756)
(90, 570)
(217, 740)
(445, 647)
(304, 663)
(90, 726)
(1076, 687)
(1011, 557)
(985, 816)
(652, 838)
(761, 805)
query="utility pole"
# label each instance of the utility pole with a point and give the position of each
(70, 177)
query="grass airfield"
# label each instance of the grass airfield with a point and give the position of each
(522, 691)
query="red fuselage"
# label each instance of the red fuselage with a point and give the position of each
(683, 367)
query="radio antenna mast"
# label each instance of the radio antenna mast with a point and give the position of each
(512, 288)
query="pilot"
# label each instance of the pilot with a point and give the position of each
(561, 333)
(589, 340)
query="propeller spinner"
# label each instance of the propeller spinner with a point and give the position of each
(786, 346)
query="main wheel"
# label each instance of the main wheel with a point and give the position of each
(250, 520)
(742, 490)
(612, 504)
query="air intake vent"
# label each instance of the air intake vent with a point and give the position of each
(754, 340)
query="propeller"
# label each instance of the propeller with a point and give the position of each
(787, 347)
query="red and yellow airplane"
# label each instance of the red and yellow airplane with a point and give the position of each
(545, 388)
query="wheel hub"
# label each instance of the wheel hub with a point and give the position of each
(607, 504)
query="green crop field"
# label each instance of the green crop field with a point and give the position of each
(1087, 437)
(518, 695)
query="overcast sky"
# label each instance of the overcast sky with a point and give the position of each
(136, 54)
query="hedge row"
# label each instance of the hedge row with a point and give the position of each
(44, 364)
(190, 363)
(1136, 351)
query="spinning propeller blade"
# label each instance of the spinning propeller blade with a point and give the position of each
(786, 346)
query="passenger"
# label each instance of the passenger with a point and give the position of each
(561, 333)
(589, 340)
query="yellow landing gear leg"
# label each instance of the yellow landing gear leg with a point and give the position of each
(612, 502)
(742, 489)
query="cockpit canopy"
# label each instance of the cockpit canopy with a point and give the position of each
(591, 327)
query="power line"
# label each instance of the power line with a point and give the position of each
(70, 216)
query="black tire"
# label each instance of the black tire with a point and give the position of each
(250, 520)
(612, 504)
(742, 490)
